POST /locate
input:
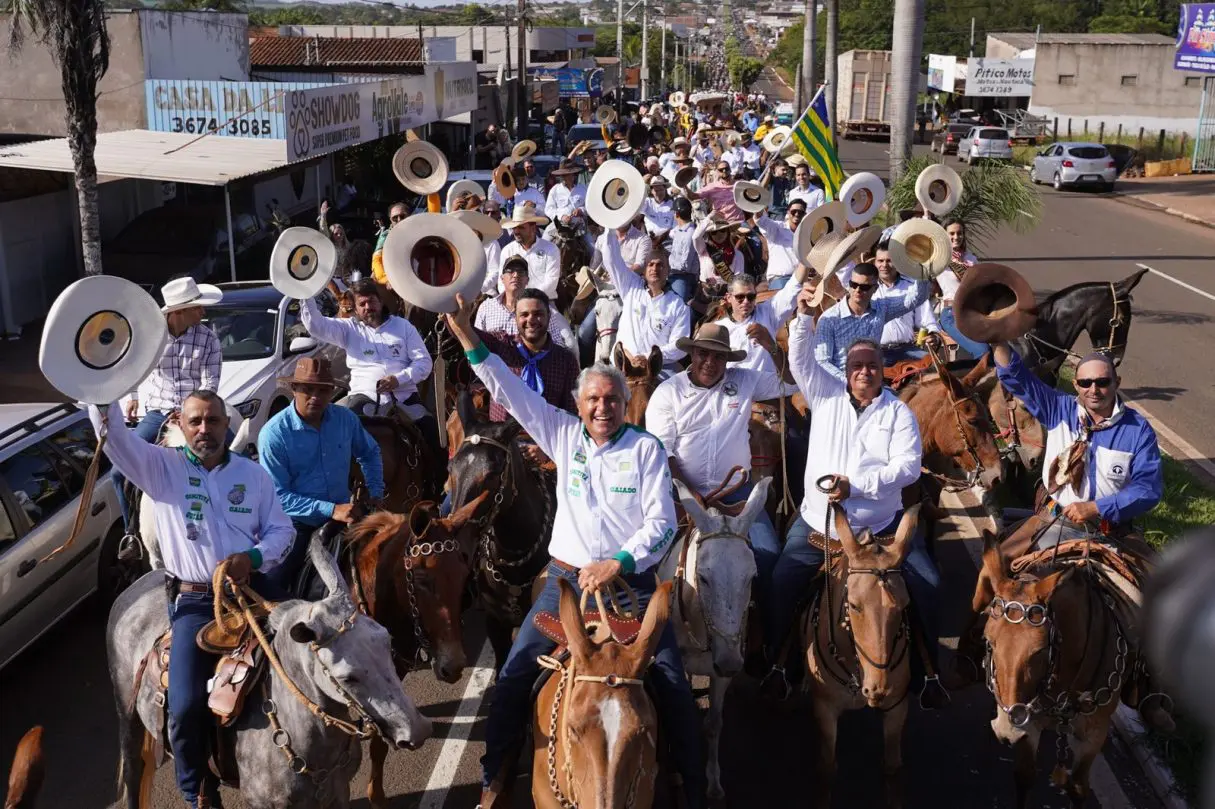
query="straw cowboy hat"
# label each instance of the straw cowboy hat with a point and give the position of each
(568, 167)
(919, 248)
(720, 223)
(488, 228)
(523, 150)
(605, 114)
(994, 303)
(615, 194)
(586, 278)
(311, 371)
(751, 197)
(186, 293)
(862, 195)
(848, 249)
(302, 262)
(463, 187)
(420, 167)
(103, 335)
(523, 214)
(776, 139)
(938, 189)
(712, 337)
(815, 225)
(827, 293)
(685, 176)
(447, 247)
(504, 181)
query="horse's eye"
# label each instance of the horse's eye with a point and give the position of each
(854, 607)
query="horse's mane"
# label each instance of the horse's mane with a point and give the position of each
(382, 522)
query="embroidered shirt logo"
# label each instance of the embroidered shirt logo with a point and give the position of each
(622, 490)
(730, 388)
(195, 481)
(1117, 469)
(191, 532)
(579, 456)
(237, 495)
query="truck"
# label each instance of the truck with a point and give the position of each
(862, 99)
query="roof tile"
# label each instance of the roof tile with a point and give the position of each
(277, 51)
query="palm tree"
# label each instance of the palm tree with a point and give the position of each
(74, 31)
(905, 73)
(809, 54)
(831, 69)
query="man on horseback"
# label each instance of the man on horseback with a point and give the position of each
(500, 313)
(782, 246)
(867, 443)
(542, 256)
(899, 334)
(210, 506)
(614, 517)
(307, 449)
(566, 201)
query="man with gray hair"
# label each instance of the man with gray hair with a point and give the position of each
(615, 516)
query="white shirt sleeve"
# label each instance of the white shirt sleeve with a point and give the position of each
(420, 362)
(814, 382)
(660, 413)
(276, 534)
(333, 330)
(146, 465)
(681, 328)
(542, 421)
(659, 520)
(622, 277)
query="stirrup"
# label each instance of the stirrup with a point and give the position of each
(130, 548)
(936, 681)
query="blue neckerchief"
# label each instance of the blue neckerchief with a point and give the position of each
(531, 372)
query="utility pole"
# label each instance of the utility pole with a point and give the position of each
(809, 54)
(521, 90)
(972, 37)
(619, 56)
(644, 80)
(662, 68)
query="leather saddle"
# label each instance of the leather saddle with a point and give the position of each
(623, 629)
(904, 371)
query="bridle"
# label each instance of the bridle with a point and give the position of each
(418, 551)
(974, 475)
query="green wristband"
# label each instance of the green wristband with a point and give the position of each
(255, 556)
(477, 355)
(628, 565)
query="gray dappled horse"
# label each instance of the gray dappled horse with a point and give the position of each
(337, 657)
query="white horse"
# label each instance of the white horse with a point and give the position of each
(608, 309)
(713, 568)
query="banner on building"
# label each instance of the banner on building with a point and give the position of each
(942, 70)
(240, 109)
(1196, 38)
(572, 82)
(1000, 77)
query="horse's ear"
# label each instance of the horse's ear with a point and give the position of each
(579, 644)
(655, 361)
(978, 372)
(655, 621)
(844, 531)
(696, 512)
(954, 385)
(756, 501)
(620, 357)
(905, 533)
(466, 410)
(993, 558)
(462, 515)
(420, 518)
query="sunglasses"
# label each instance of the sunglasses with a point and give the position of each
(796, 212)
(861, 287)
(514, 271)
(744, 296)
(397, 218)
(1101, 382)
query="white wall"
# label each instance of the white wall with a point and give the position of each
(195, 45)
(1130, 121)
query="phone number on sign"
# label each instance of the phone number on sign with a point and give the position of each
(241, 126)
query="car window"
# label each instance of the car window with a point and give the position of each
(959, 130)
(245, 332)
(7, 533)
(292, 327)
(36, 484)
(79, 443)
(993, 134)
(1088, 152)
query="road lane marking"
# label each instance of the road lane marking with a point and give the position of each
(1176, 281)
(447, 766)
(1187, 450)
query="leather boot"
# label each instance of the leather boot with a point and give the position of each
(496, 796)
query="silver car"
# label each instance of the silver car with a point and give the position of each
(1063, 164)
(985, 143)
(45, 451)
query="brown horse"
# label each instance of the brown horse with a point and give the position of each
(641, 377)
(25, 778)
(1057, 659)
(409, 469)
(859, 653)
(409, 575)
(575, 254)
(595, 728)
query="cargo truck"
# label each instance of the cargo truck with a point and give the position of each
(862, 99)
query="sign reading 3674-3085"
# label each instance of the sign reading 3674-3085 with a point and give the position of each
(244, 127)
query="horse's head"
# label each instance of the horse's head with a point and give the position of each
(720, 568)
(346, 657)
(957, 424)
(1021, 610)
(608, 309)
(610, 726)
(487, 461)
(641, 377)
(875, 600)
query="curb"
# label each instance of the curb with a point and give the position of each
(1130, 729)
(1131, 199)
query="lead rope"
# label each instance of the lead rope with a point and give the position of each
(786, 507)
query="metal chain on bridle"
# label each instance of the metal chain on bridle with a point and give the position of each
(948, 483)
(417, 552)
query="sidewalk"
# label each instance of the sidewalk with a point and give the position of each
(1191, 196)
(23, 380)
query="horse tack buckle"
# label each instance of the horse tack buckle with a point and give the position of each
(1016, 612)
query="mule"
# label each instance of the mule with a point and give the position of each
(575, 254)
(641, 378)
(608, 309)
(337, 658)
(25, 777)
(1057, 659)
(712, 567)
(594, 726)
(858, 654)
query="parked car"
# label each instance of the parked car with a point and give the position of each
(985, 143)
(1063, 164)
(784, 114)
(262, 339)
(581, 132)
(45, 451)
(946, 140)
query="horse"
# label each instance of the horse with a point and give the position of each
(570, 240)
(332, 685)
(410, 475)
(409, 574)
(595, 727)
(712, 567)
(513, 507)
(641, 378)
(1057, 658)
(859, 654)
(25, 777)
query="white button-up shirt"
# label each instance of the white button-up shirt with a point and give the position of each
(734, 159)
(522, 195)
(610, 499)
(395, 348)
(770, 314)
(543, 265)
(703, 154)
(902, 329)
(683, 257)
(646, 321)
(751, 155)
(493, 267)
(563, 201)
(706, 429)
(635, 248)
(878, 449)
(201, 517)
(812, 195)
(659, 216)
(782, 252)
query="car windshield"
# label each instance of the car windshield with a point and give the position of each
(1088, 152)
(993, 134)
(245, 333)
(585, 132)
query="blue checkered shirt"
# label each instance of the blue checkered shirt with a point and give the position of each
(190, 362)
(838, 328)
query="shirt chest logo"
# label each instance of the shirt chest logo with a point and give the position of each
(195, 481)
(192, 531)
(237, 494)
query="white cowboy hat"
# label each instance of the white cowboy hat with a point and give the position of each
(463, 187)
(679, 141)
(851, 247)
(862, 195)
(751, 197)
(186, 293)
(488, 228)
(523, 150)
(677, 98)
(523, 214)
(685, 176)
(818, 224)
(920, 248)
(420, 167)
(795, 159)
(938, 189)
(441, 243)
(605, 114)
(302, 262)
(102, 337)
(818, 254)
(615, 194)
(776, 139)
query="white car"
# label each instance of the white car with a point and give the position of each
(45, 451)
(1064, 164)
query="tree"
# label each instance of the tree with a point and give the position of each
(904, 78)
(830, 52)
(74, 31)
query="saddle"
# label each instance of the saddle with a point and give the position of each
(622, 629)
(904, 371)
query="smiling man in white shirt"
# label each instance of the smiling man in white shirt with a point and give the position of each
(899, 334)
(861, 433)
(542, 256)
(782, 243)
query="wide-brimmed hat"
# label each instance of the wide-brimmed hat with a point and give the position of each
(523, 214)
(680, 141)
(852, 247)
(186, 293)
(302, 262)
(451, 251)
(311, 371)
(605, 114)
(685, 176)
(828, 218)
(862, 195)
(776, 139)
(523, 150)
(504, 181)
(462, 187)
(827, 293)
(656, 179)
(751, 197)
(712, 337)
(420, 167)
(568, 167)
(488, 228)
(994, 303)
(919, 248)
(720, 223)
(615, 194)
(938, 189)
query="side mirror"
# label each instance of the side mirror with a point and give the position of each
(301, 344)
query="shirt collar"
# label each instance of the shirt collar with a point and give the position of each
(615, 436)
(194, 459)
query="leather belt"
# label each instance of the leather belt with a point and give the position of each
(563, 566)
(192, 587)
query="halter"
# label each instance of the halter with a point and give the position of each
(417, 552)
(974, 475)
(681, 580)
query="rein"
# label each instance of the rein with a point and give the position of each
(972, 477)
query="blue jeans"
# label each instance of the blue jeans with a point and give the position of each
(148, 429)
(800, 563)
(284, 577)
(684, 285)
(948, 325)
(778, 281)
(510, 711)
(189, 717)
(765, 544)
(893, 354)
(587, 337)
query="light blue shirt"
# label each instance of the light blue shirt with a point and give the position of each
(838, 328)
(311, 468)
(684, 260)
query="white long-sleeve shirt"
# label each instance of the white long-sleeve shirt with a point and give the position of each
(522, 195)
(782, 251)
(706, 429)
(201, 517)
(635, 249)
(646, 321)
(610, 499)
(543, 265)
(878, 450)
(394, 348)
(564, 201)
(659, 216)
(493, 267)
(812, 195)
(770, 314)
(902, 329)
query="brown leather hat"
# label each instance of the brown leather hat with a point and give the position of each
(311, 371)
(712, 337)
(994, 303)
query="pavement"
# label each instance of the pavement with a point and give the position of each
(1190, 196)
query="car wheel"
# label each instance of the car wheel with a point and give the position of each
(1033, 174)
(279, 404)
(1058, 182)
(113, 574)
